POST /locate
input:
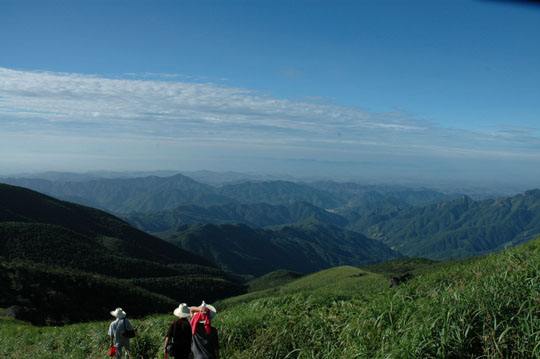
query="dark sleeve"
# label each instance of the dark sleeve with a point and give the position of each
(186, 330)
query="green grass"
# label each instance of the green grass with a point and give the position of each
(273, 279)
(401, 266)
(337, 282)
(487, 307)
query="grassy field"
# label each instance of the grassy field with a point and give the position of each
(273, 279)
(487, 307)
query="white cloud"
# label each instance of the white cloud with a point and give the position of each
(65, 104)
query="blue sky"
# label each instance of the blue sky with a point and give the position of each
(421, 89)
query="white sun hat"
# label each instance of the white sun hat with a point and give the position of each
(118, 313)
(182, 311)
(211, 309)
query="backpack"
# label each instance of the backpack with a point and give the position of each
(128, 333)
(170, 345)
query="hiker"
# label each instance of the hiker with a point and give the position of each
(205, 344)
(178, 339)
(395, 281)
(119, 331)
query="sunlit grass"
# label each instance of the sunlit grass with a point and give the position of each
(488, 307)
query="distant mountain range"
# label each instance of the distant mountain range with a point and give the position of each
(302, 248)
(153, 193)
(415, 222)
(54, 245)
(372, 197)
(456, 228)
(254, 215)
(123, 195)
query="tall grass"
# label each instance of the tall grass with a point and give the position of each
(481, 308)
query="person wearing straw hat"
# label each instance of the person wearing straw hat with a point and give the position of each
(205, 343)
(117, 328)
(178, 339)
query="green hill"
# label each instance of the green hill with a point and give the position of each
(60, 240)
(401, 266)
(273, 279)
(302, 248)
(481, 307)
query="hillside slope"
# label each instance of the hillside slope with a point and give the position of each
(459, 228)
(59, 242)
(43, 294)
(254, 215)
(302, 248)
(25, 206)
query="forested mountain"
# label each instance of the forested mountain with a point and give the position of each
(302, 248)
(29, 208)
(57, 243)
(374, 197)
(44, 294)
(153, 193)
(215, 178)
(279, 192)
(458, 228)
(254, 215)
(123, 195)
(150, 194)
(417, 222)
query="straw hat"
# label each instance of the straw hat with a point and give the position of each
(182, 311)
(210, 309)
(118, 313)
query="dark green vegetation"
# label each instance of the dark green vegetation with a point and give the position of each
(303, 248)
(253, 215)
(27, 207)
(457, 228)
(57, 255)
(43, 294)
(483, 307)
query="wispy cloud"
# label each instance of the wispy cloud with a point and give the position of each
(166, 109)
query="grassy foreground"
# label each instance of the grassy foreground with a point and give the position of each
(487, 307)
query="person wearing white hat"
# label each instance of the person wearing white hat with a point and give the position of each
(119, 331)
(178, 339)
(205, 343)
